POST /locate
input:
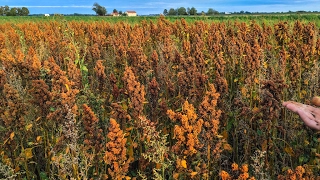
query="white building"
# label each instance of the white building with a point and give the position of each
(131, 13)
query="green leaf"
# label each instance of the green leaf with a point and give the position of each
(230, 124)
(2, 129)
(84, 68)
(43, 176)
(259, 132)
(303, 159)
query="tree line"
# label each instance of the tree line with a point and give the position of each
(14, 11)
(188, 11)
(102, 11)
(193, 11)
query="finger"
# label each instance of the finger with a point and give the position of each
(308, 119)
(312, 109)
(306, 115)
(313, 125)
(317, 119)
(315, 112)
(315, 100)
(309, 114)
(293, 106)
(292, 103)
(285, 103)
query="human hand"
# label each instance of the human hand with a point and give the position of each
(310, 115)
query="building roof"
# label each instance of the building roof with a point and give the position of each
(131, 12)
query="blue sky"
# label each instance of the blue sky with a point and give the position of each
(145, 7)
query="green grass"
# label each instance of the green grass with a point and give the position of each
(21, 19)
(259, 18)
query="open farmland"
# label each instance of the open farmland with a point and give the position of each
(168, 98)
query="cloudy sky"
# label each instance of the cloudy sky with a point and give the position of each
(145, 7)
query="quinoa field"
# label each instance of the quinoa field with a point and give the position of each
(158, 97)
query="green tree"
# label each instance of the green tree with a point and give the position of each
(182, 11)
(172, 12)
(6, 10)
(192, 11)
(24, 11)
(100, 10)
(19, 12)
(13, 12)
(212, 12)
(2, 11)
(115, 11)
(165, 12)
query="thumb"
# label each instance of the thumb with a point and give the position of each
(316, 101)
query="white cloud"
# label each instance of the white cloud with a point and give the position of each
(72, 6)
